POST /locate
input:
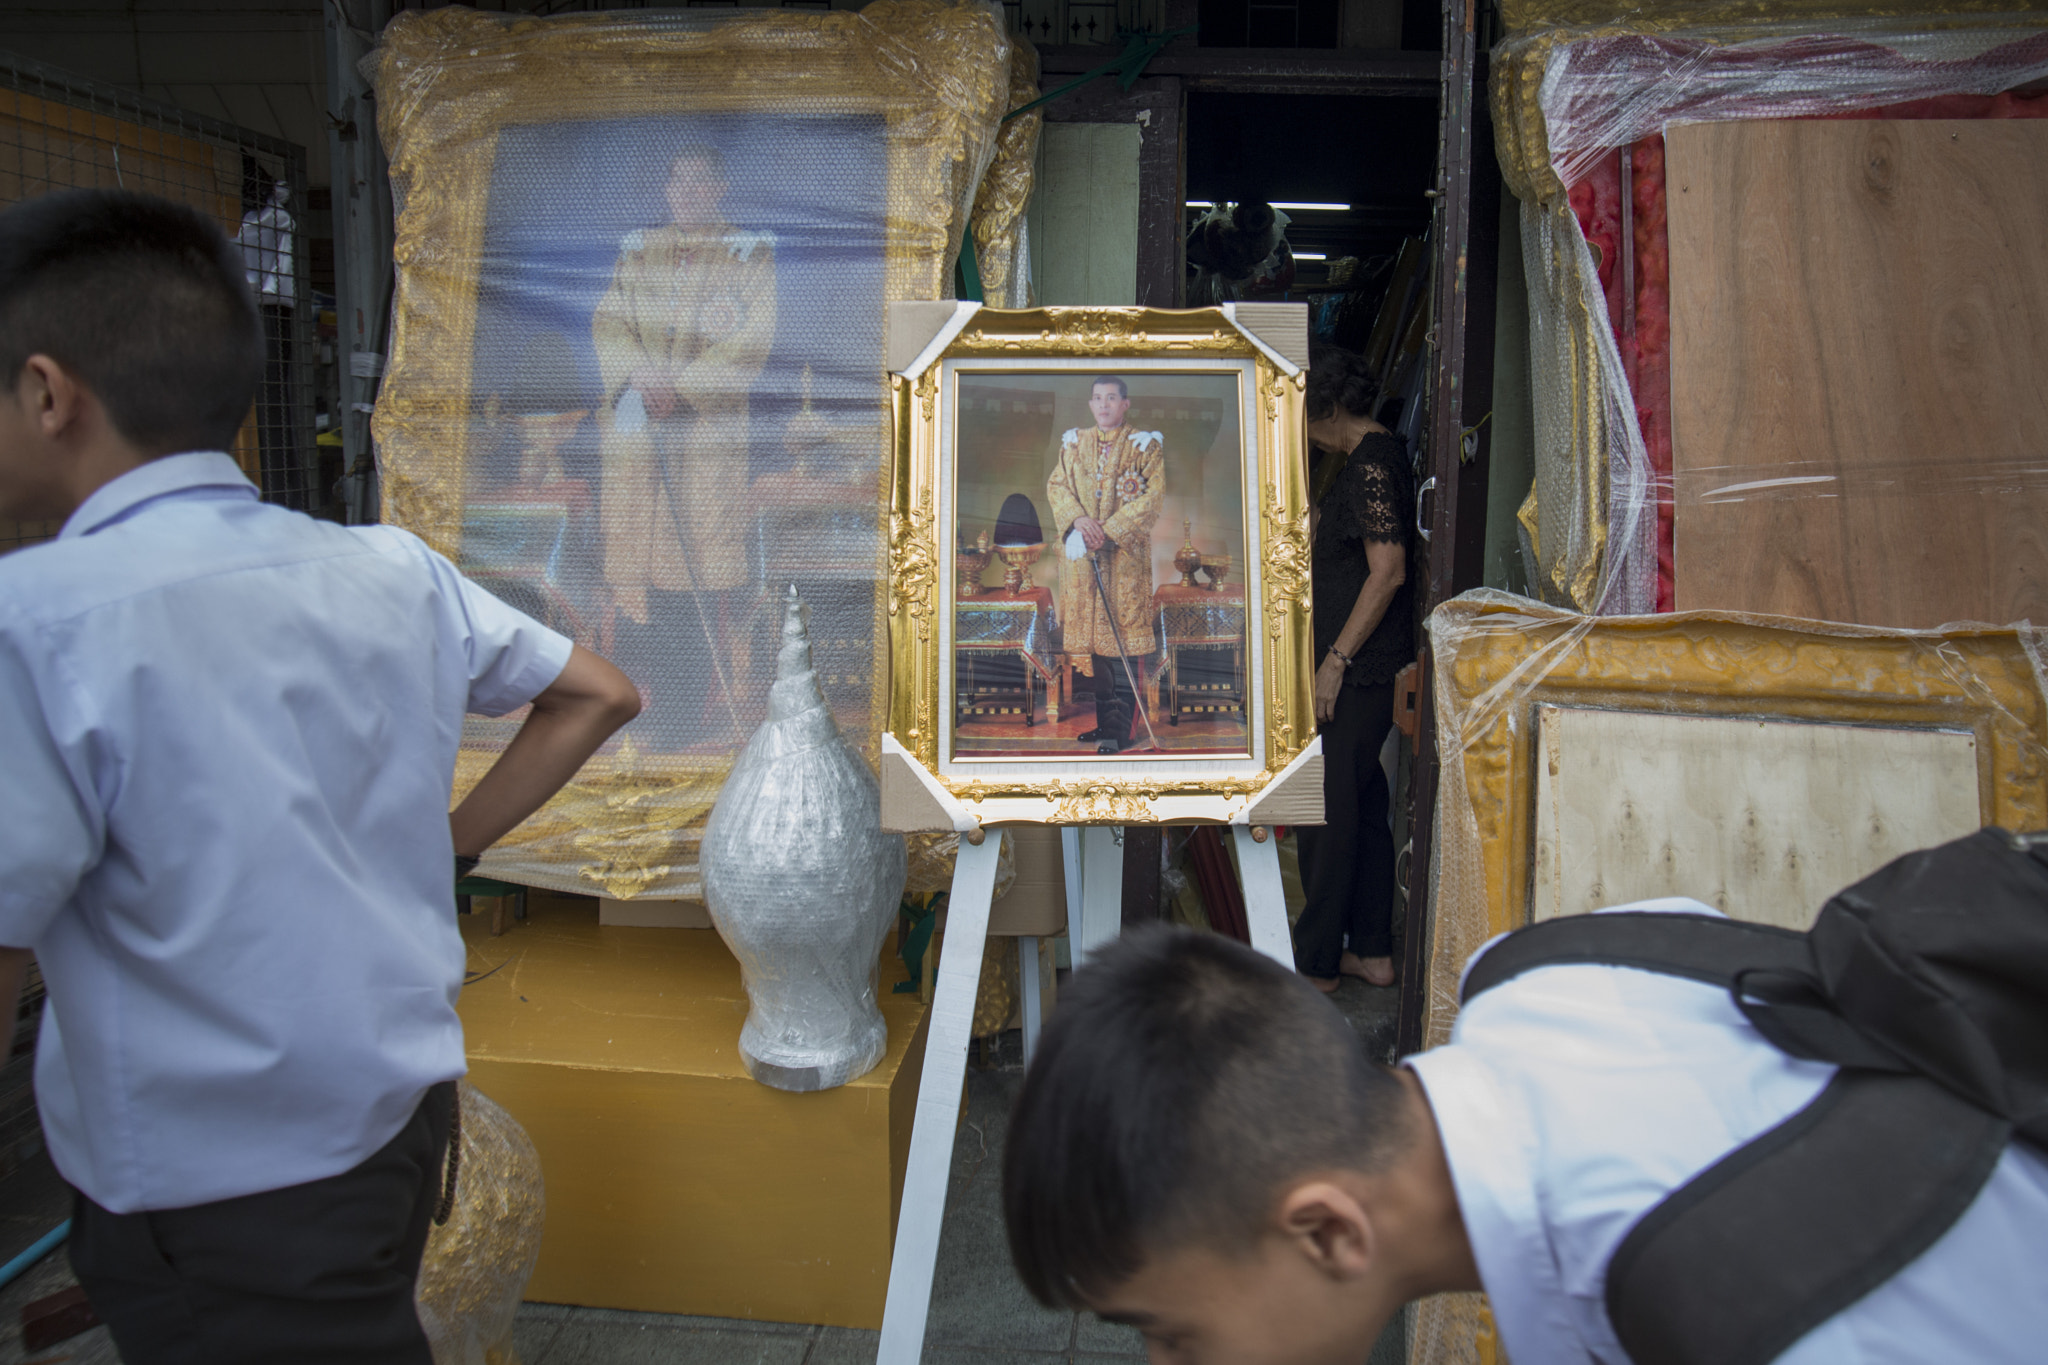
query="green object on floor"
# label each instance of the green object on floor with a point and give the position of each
(914, 936)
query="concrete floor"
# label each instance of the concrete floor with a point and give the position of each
(979, 1311)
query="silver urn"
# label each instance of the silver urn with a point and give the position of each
(803, 885)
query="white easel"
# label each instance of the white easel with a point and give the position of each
(915, 339)
(1095, 869)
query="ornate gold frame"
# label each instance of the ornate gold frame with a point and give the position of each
(1091, 791)
(937, 72)
(1495, 662)
(449, 80)
(1497, 658)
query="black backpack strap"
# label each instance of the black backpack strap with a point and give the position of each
(1703, 947)
(1789, 1229)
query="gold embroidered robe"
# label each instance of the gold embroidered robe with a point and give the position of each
(697, 309)
(1120, 482)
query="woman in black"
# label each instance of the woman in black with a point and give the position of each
(1363, 490)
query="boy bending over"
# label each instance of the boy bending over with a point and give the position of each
(228, 734)
(1203, 1151)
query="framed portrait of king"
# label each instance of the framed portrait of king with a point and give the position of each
(634, 384)
(1099, 565)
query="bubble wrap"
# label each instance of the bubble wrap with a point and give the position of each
(931, 863)
(1563, 98)
(1494, 650)
(476, 1266)
(803, 885)
(635, 385)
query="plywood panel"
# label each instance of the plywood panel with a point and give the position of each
(1859, 316)
(1762, 819)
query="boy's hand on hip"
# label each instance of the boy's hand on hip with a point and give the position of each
(577, 712)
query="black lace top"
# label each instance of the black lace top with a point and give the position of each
(1371, 499)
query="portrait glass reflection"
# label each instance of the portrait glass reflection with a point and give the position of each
(1099, 581)
(675, 408)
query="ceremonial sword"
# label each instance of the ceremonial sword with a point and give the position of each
(1116, 632)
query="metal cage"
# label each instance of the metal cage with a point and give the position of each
(62, 131)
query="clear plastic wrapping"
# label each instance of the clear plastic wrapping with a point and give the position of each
(1001, 247)
(1498, 656)
(476, 1266)
(1599, 91)
(931, 864)
(1592, 512)
(1567, 99)
(636, 374)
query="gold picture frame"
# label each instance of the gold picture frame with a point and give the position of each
(1497, 659)
(456, 88)
(928, 778)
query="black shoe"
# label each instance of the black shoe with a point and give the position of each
(1088, 736)
(1110, 746)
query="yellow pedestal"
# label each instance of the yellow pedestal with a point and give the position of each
(675, 1183)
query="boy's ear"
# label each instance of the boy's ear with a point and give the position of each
(50, 396)
(1330, 1227)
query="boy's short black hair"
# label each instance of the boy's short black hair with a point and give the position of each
(1184, 1083)
(1123, 390)
(145, 302)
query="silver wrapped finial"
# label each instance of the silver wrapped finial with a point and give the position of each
(803, 884)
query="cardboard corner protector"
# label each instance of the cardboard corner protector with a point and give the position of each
(1295, 797)
(1282, 326)
(913, 802)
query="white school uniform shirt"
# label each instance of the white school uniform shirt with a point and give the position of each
(1572, 1099)
(229, 735)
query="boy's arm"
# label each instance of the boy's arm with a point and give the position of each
(578, 711)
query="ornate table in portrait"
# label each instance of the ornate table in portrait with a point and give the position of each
(1002, 649)
(1201, 632)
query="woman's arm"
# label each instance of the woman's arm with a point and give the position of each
(1388, 570)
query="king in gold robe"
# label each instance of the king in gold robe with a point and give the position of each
(689, 318)
(1118, 478)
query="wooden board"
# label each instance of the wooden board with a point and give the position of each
(1859, 315)
(1084, 218)
(1761, 819)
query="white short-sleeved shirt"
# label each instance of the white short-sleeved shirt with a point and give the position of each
(1572, 1099)
(229, 736)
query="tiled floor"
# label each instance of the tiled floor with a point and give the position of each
(979, 1311)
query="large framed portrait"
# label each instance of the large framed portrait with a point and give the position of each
(1099, 597)
(635, 385)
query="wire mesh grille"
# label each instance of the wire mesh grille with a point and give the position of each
(60, 131)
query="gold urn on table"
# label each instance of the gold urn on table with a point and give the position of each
(1017, 562)
(971, 563)
(1217, 567)
(1187, 558)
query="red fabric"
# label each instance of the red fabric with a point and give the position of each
(1646, 356)
(1221, 894)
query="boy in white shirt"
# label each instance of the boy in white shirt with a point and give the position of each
(1202, 1150)
(229, 734)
